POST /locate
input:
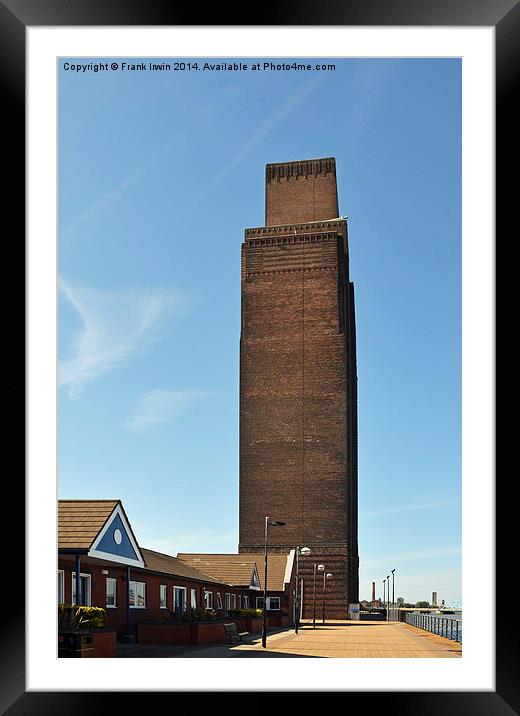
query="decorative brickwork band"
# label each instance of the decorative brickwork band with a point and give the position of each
(291, 229)
(293, 170)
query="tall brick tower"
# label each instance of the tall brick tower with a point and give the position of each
(298, 381)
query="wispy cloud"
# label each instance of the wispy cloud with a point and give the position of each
(133, 179)
(273, 120)
(117, 326)
(407, 508)
(160, 406)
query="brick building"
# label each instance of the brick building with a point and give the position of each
(141, 588)
(236, 569)
(298, 380)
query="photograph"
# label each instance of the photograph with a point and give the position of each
(259, 338)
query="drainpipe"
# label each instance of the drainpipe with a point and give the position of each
(128, 618)
(78, 580)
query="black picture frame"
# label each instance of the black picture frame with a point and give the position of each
(15, 16)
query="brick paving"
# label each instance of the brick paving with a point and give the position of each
(351, 640)
(357, 640)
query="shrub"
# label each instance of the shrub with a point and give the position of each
(73, 616)
(193, 614)
(245, 612)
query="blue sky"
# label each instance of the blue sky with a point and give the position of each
(159, 174)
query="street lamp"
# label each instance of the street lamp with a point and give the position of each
(304, 551)
(388, 600)
(325, 577)
(272, 523)
(393, 591)
(384, 593)
(319, 568)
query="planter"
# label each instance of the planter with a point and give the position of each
(254, 625)
(74, 645)
(87, 644)
(208, 632)
(163, 633)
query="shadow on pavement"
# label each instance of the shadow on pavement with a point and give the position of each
(217, 651)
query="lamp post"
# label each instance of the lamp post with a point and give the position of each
(325, 577)
(319, 568)
(272, 523)
(384, 593)
(304, 551)
(393, 590)
(388, 600)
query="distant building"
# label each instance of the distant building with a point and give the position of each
(434, 599)
(400, 601)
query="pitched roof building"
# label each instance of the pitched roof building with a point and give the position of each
(236, 568)
(100, 563)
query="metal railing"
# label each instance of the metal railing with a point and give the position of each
(442, 626)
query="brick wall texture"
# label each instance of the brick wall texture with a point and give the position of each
(298, 382)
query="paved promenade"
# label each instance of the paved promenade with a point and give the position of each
(345, 639)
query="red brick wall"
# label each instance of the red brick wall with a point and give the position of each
(293, 421)
(104, 645)
(116, 617)
(297, 192)
(163, 633)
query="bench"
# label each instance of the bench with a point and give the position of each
(231, 631)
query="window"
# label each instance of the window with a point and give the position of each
(233, 601)
(219, 601)
(179, 599)
(228, 602)
(193, 602)
(246, 602)
(273, 603)
(111, 600)
(61, 586)
(208, 599)
(240, 601)
(163, 596)
(84, 597)
(138, 595)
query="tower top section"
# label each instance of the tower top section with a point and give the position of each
(301, 191)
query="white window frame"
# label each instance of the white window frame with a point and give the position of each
(61, 586)
(184, 601)
(114, 605)
(233, 601)
(193, 598)
(136, 606)
(163, 592)
(208, 599)
(269, 607)
(246, 602)
(89, 588)
(228, 602)
(240, 601)
(219, 600)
